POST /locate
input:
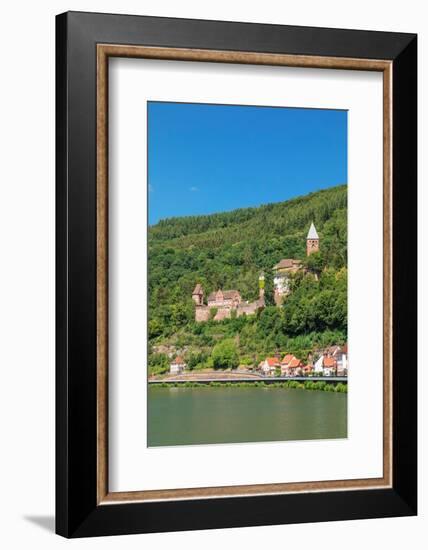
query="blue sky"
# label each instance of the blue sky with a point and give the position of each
(211, 158)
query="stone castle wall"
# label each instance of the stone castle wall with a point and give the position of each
(248, 309)
(202, 314)
(223, 313)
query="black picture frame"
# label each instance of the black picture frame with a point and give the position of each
(77, 511)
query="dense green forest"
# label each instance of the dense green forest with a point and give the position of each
(228, 250)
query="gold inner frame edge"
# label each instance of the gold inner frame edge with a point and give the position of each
(104, 51)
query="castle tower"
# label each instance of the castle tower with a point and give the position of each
(261, 286)
(198, 295)
(312, 241)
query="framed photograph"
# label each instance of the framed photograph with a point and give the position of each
(236, 274)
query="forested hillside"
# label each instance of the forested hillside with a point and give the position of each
(229, 250)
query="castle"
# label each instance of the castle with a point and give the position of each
(221, 303)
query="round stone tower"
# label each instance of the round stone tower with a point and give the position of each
(198, 295)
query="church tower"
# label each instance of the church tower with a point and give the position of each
(312, 241)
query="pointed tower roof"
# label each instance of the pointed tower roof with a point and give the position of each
(312, 233)
(198, 289)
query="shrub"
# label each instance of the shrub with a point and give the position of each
(225, 355)
(213, 312)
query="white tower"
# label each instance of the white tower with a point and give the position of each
(312, 241)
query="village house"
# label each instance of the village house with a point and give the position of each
(325, 366)
(339, 353)
(294, 368)
(342, 361)
(307, 370)
(285, 362)
(269, 366)
(288, 266)
(333, 361)
(319, 365)
(329, 366)
(177, 366)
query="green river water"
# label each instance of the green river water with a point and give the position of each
(189, 416)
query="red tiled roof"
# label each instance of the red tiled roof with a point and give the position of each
(179, 361)
(295, 363)
(198, 289)
(329, 362)
(272, 361)
(287, 359)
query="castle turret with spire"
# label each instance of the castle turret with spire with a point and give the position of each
(283, 270)
(312, 241)
(198, 295)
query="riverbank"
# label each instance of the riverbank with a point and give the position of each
(228, 375)
(331, 384)
(209, 375)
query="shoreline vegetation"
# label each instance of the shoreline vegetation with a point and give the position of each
(312, 385)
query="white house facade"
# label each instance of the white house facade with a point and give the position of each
(269, 366)
(177, 366)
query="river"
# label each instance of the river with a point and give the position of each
(189, 416)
